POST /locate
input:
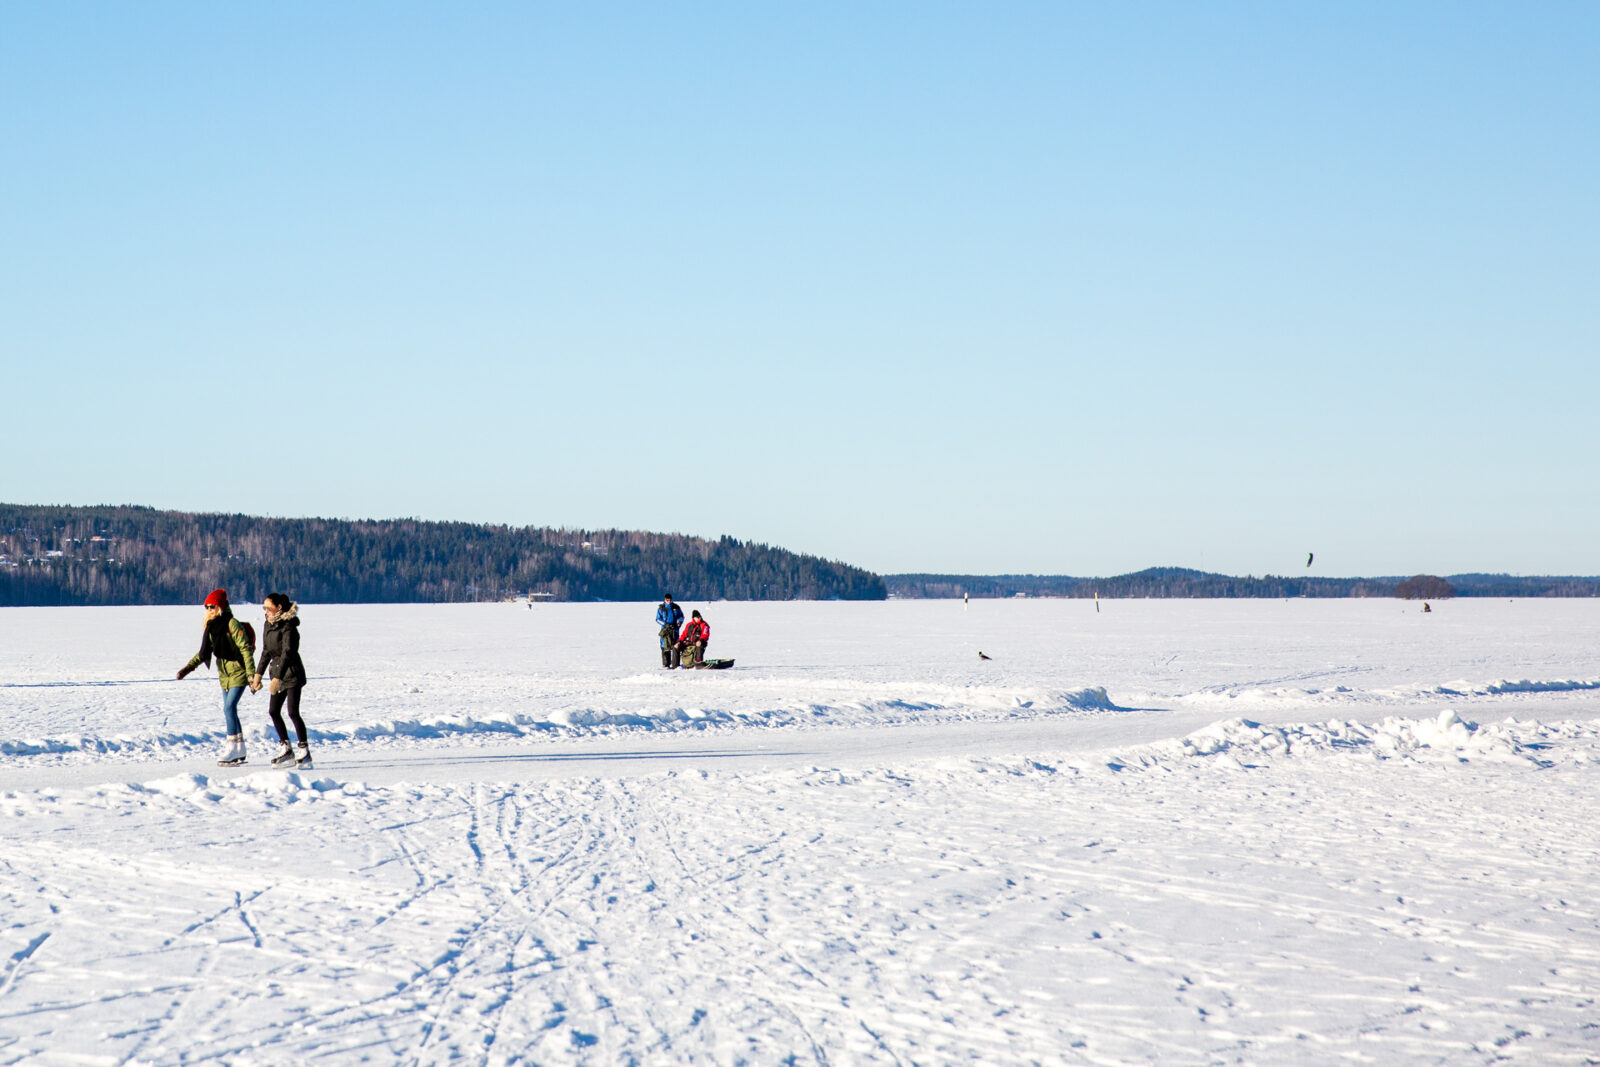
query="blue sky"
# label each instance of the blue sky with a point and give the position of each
(969, 288)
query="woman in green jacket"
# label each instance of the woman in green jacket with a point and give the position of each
(226, 638)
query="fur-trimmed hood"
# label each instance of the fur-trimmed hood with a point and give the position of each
(280, 649)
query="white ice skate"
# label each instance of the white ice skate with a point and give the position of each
(233, 755)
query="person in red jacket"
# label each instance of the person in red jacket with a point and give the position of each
(696, 636)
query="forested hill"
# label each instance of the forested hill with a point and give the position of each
(133, 555)
(1183, 582)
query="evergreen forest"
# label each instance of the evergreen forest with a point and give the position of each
(136, 555)
(58, 555)
(1161, 582)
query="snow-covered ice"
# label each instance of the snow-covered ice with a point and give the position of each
(1170, 832)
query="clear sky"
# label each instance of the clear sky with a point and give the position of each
(977, 288)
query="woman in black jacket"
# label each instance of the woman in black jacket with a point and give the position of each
(280, 654)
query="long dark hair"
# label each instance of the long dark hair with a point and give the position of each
(280, 600)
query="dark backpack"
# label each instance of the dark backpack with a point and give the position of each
(249, 633)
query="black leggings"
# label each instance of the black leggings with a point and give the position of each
(275, 709)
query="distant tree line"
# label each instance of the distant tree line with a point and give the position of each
(134, 555)
(1162, 582)
(1425, 587)
(1508, 585)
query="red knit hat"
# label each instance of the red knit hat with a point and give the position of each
(217, 599)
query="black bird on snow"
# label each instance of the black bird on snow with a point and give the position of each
(1309, 557)
(982, 656)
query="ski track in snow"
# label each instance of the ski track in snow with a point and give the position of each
(1408, 879)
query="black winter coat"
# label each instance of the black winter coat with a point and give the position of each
(280, 650)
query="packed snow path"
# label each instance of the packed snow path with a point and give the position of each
(1400, 886)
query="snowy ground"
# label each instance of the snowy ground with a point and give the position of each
(1174, 832)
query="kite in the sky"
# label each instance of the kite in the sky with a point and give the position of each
(1309, 557)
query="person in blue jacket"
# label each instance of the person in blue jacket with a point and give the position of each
(668, 618)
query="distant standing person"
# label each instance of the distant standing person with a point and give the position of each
(696, 636)
(668, 618)
(233, 645)
(280, 659)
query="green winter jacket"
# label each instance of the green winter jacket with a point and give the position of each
(235, 665)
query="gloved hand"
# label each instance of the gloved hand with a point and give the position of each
(277, 685)
(183, 672)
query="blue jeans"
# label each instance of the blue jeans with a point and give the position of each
(230, 709)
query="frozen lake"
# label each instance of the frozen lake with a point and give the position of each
(1169, 831)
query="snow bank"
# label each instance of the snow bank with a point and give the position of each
(874, 704)
(1278, 696)
(1446, 737)
(116, 744)
(1239, 744)
(1526, 686)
